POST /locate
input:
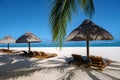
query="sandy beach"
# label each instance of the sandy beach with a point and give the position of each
(15, 67)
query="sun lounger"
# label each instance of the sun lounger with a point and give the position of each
(38, 54)
(47, 55)
(9, 51)
(98, 61)
(77, 57)
(51, 55)
(27, 54)
(42, 54)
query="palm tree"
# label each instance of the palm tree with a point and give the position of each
(61, 13)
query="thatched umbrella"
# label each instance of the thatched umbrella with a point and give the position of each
(28, 38)
(7, 39)
(89, 31)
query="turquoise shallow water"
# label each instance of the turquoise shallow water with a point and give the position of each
(68, 44)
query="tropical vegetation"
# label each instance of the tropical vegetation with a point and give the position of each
(61, 13)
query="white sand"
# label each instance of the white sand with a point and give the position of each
(15, 67)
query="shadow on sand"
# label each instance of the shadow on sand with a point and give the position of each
(15, 66)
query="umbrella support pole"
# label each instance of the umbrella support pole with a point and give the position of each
(8, 46)
(87, 46)
(28, 46)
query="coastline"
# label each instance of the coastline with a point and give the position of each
(107, 52)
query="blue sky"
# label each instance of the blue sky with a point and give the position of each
(20, 16)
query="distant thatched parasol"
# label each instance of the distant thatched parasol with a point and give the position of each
(7, 39)
(89, 31)
(28, 38)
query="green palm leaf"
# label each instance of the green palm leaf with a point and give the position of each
(61, 14)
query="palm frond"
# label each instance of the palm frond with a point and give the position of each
(88, 7)
(61, 14)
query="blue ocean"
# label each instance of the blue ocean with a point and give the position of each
(68, 44)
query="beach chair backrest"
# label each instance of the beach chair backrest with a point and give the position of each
(77, 57)
(43, 53)
(98, 59)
